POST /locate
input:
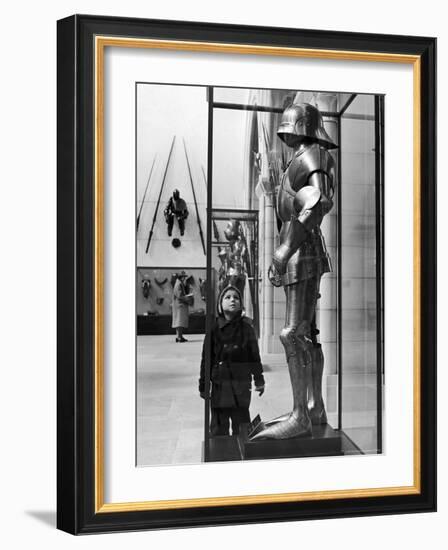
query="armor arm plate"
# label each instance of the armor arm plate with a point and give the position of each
(313, 201)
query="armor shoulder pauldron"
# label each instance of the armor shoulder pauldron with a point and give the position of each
(318, 159)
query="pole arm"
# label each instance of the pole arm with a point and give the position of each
(194, 198)
(146, 189)
(160, 196)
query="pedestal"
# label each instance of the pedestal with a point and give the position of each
(324, 441)
(223, 448)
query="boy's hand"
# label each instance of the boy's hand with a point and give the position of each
(260, 390)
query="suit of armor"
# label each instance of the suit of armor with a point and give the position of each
(303, 199)
(176, 208)
(233, 258)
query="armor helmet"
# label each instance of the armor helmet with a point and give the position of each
(302, 122)
(146, 286)
(176, 194)
(232, 231)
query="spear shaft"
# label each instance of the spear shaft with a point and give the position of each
(215, 227)
(144, 194)
(160, 196)
(194, 198)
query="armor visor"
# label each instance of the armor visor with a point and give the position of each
(303, 123)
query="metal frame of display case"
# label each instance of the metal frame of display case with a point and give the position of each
(378, 119)
(216, 214)
(250, 216)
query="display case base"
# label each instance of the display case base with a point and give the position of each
(324, 441)
(222, 449)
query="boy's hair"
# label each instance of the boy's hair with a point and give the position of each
(221, 296)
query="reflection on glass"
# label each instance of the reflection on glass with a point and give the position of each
(359, 295)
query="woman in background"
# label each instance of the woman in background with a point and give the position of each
(180, 307)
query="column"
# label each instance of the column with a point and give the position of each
(265, 191)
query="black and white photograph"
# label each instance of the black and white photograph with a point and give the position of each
(259, 273)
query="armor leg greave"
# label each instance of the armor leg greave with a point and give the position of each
(170, 223)
(298, 346)
(298, 349)
(181, 223)
(297, 341)
(315, 400)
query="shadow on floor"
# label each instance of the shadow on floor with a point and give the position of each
(48, 517)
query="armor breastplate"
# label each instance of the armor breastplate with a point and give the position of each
(178, 205)
(311, 259)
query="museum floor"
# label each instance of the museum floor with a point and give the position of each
(170, 413)
(170, 427)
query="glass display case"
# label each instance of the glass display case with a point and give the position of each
(319, 335)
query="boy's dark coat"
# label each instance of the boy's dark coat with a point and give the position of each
(234, 360)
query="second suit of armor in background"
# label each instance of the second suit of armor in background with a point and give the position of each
(176, 208)
(233, 258)
(300, 259)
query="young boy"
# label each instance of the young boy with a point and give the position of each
(235, 359)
